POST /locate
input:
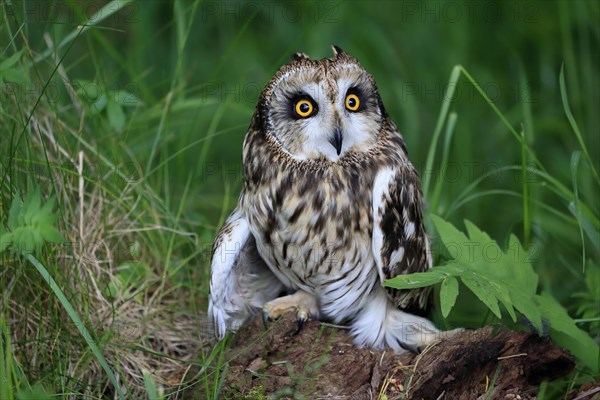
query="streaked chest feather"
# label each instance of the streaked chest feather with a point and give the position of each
(313, 226)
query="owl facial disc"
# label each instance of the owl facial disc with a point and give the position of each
(322, 109)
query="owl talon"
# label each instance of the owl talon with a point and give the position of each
(302, 318)
(304, 304)
(265, 318)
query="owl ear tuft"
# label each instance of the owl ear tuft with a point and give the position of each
(299, 56)
(337, 51)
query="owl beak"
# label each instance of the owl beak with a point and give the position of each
(336, 140)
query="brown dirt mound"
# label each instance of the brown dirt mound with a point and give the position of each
(321, 362)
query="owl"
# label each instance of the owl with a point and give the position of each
(331, 206)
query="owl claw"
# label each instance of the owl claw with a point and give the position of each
(301, 302)
(302, 318)
(265, 318)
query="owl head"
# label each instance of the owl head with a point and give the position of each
(322, 109)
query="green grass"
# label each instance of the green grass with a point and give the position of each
(135, 122)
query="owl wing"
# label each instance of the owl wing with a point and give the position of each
(400, 244)
(240, 281)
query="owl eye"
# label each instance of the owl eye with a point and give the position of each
(352, 102)
(304, 108)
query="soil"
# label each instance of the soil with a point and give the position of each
(321, 362)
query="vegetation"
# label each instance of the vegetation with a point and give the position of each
(121, 126)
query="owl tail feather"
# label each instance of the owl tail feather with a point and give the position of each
(381, 325)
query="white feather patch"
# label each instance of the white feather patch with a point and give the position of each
(380, 324)
(397, 256)
(381, 189)
(409, 230)
(222, 263)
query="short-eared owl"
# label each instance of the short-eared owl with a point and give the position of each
(330, 208)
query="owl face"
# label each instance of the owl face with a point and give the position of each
(323, 109)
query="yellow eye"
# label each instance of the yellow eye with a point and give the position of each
(304, 108)
(352, 102)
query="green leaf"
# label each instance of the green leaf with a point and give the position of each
(37, 392)
(31, 207)
(5, 238)
(571, 337)
(126, 99)
(13, 75)
(455, 242)
(502, 294)
(30, 224)
(506, 277)
(88, 91)
(448, 294)
(116, 116)
(45, 215)
(493, 275)
(13, 213)
(482, 289)
(99, 105)
(520, 268)
(5, 241)
(416, 280)
(50, 234)
(22, 240)
(10, 61)
(483, 248)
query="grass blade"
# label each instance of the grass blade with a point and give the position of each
(452, 83)
(573, 123)
(150, 386)
(105, 12)
(445, 153)
(575, 157)
(6, 362)
(525, 188)
(77, 321)
(554, 184)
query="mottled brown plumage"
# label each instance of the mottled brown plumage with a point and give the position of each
(330, 204)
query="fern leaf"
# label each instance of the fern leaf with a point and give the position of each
(448, 294)
(30, 224)
(498, 277)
